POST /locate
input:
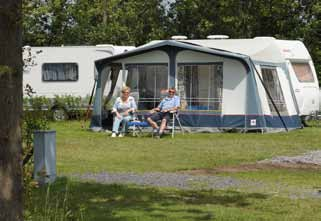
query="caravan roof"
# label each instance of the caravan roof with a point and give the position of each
(264, 49)
(267, 49)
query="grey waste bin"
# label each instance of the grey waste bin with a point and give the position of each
(45, 156)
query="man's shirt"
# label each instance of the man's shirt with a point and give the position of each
(169, 103)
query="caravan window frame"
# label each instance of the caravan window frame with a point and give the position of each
(271, 107)
(217, 101)
(148, 101)
(60, 63)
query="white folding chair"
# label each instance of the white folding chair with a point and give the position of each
(175, 117)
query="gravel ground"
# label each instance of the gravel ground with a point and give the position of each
(313, 158)
(197, 182)
(176, 180)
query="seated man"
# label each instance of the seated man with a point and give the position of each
(163, 112)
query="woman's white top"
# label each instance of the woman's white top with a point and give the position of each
(121, 106)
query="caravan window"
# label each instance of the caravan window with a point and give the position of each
(146, 82)
(60, 72)
(200, 86)
(303, 72)
(272, 83)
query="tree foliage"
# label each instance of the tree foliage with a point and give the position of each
(57, 22)
(283, 19)
(135, 22)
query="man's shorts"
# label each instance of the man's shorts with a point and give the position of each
(160, 115)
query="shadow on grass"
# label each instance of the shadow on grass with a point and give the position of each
(94, 201)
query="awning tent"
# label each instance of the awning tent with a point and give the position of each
(221, 87)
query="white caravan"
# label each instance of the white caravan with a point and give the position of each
(65, 70)
(299, 64)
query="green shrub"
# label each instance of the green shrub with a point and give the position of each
(75, 106)
(67, 101)
(36, 103)
(32, 120)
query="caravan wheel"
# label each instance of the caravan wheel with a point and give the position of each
(59, 114)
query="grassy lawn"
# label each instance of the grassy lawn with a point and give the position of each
(81, 151)
(92, 201)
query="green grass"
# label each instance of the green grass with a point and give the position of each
(296, 177)
(283, 182)
(92, 201)
(80, 151)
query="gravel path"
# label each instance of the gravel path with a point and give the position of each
(197, 182)
(176, 180)
(313, 157)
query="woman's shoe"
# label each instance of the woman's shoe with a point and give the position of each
(121, 135)
(113, 135)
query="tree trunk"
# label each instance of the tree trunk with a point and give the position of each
(10, 111)
(105, 12)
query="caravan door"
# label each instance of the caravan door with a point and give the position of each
(305, 86)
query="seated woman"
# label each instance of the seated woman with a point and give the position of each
(123, 109)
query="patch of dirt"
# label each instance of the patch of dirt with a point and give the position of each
(252, 167)
(268, 166)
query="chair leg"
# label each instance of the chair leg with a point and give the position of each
(134, 131)
(180, 125)
(173, 126)
(139, 131)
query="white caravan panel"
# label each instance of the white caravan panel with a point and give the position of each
(303, 75)
(64, 70)
(306, 90)
(234, 88)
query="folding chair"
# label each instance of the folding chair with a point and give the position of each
(171, 124)
(175, 117)
(136, 125)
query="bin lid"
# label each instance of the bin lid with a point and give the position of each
(44, 131)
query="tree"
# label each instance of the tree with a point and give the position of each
(283, 19)
(312, 32)
(80, 22)
(11, 110)
(46, 22)
(135, 22)
(122, 22)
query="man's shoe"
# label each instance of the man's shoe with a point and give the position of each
(113, 135)
(121, 135)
